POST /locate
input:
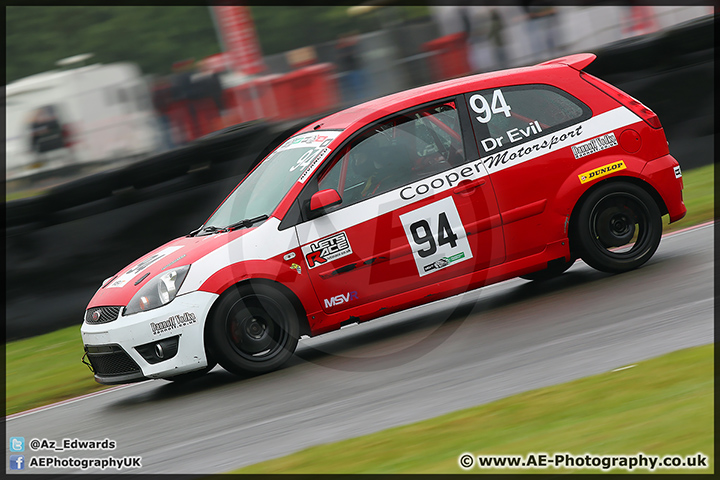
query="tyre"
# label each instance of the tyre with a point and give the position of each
(253, 330)
(186, 377)
(618, 227)
(554, 269)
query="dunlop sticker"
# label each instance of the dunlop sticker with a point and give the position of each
(602, 171)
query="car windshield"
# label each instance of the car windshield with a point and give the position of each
(261, 191)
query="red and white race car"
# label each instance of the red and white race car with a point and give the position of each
(390, 204)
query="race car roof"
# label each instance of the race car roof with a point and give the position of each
(364, 113)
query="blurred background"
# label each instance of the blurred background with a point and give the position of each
(126, 126)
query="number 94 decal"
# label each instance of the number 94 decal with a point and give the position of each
(485, 110)
(436, 236)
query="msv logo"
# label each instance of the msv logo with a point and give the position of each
(340, 299)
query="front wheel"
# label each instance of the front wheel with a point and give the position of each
(618, 227)
(253, 330)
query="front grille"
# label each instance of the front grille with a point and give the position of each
(110, 360)
(106, 314)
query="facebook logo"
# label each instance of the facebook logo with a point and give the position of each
(17, 462)
(17, 444)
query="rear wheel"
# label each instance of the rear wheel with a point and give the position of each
(618, 228)
(253, 330)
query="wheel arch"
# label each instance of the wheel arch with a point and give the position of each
(282, 289)
(615, 179)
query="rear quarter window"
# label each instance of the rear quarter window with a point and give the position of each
(509, 116)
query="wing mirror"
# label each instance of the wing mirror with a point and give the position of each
(323, 199)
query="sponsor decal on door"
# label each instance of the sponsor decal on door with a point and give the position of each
(326, 250)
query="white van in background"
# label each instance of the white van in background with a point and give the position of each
(105, 113)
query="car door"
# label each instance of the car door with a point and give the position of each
(524, 134)
(416, 210)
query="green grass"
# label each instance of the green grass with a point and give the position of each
(9, 197)
(663, 406)
(45, 369)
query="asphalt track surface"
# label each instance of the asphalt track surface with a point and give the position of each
(457, 353)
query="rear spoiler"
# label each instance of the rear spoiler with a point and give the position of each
(577, 61)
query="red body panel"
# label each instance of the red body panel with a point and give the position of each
(506, 214)
(274, 269)
(188, 250)
(659, 174)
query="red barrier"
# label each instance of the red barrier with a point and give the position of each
(249, 107)
(301, 81)
(451, 56)
(323, 93)
(230, 100)
(206, 114)
(179, 117)
(304, 92)
(266, 95)
(284, 92)
(331, 88)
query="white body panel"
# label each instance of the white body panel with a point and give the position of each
(262, 243)
(107, 108)
(134, 330)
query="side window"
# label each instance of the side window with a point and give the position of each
(397, 152)
(509, 116)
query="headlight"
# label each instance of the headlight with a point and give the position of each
(157, 292)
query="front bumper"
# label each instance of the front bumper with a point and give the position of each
(125, 350)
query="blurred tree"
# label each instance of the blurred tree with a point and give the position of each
(151, 36)
(156, 36)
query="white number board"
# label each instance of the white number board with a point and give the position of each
(437, 236)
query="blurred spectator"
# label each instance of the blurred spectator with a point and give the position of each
(49, 141)
(480, 55)
(190, 104)
(181, 79)
(162, 99)
(352, 81)
(301, 57)
(543, 29)
(476, 39)
(642, 20)
(182, 91)
(208, 85)
(466, 21)
(211, 70)
(215, 91)
(486, 44)
(497, 39)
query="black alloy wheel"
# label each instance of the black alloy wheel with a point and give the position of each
(253, 330)
(618, 228)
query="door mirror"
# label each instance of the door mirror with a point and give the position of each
(324, 199)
